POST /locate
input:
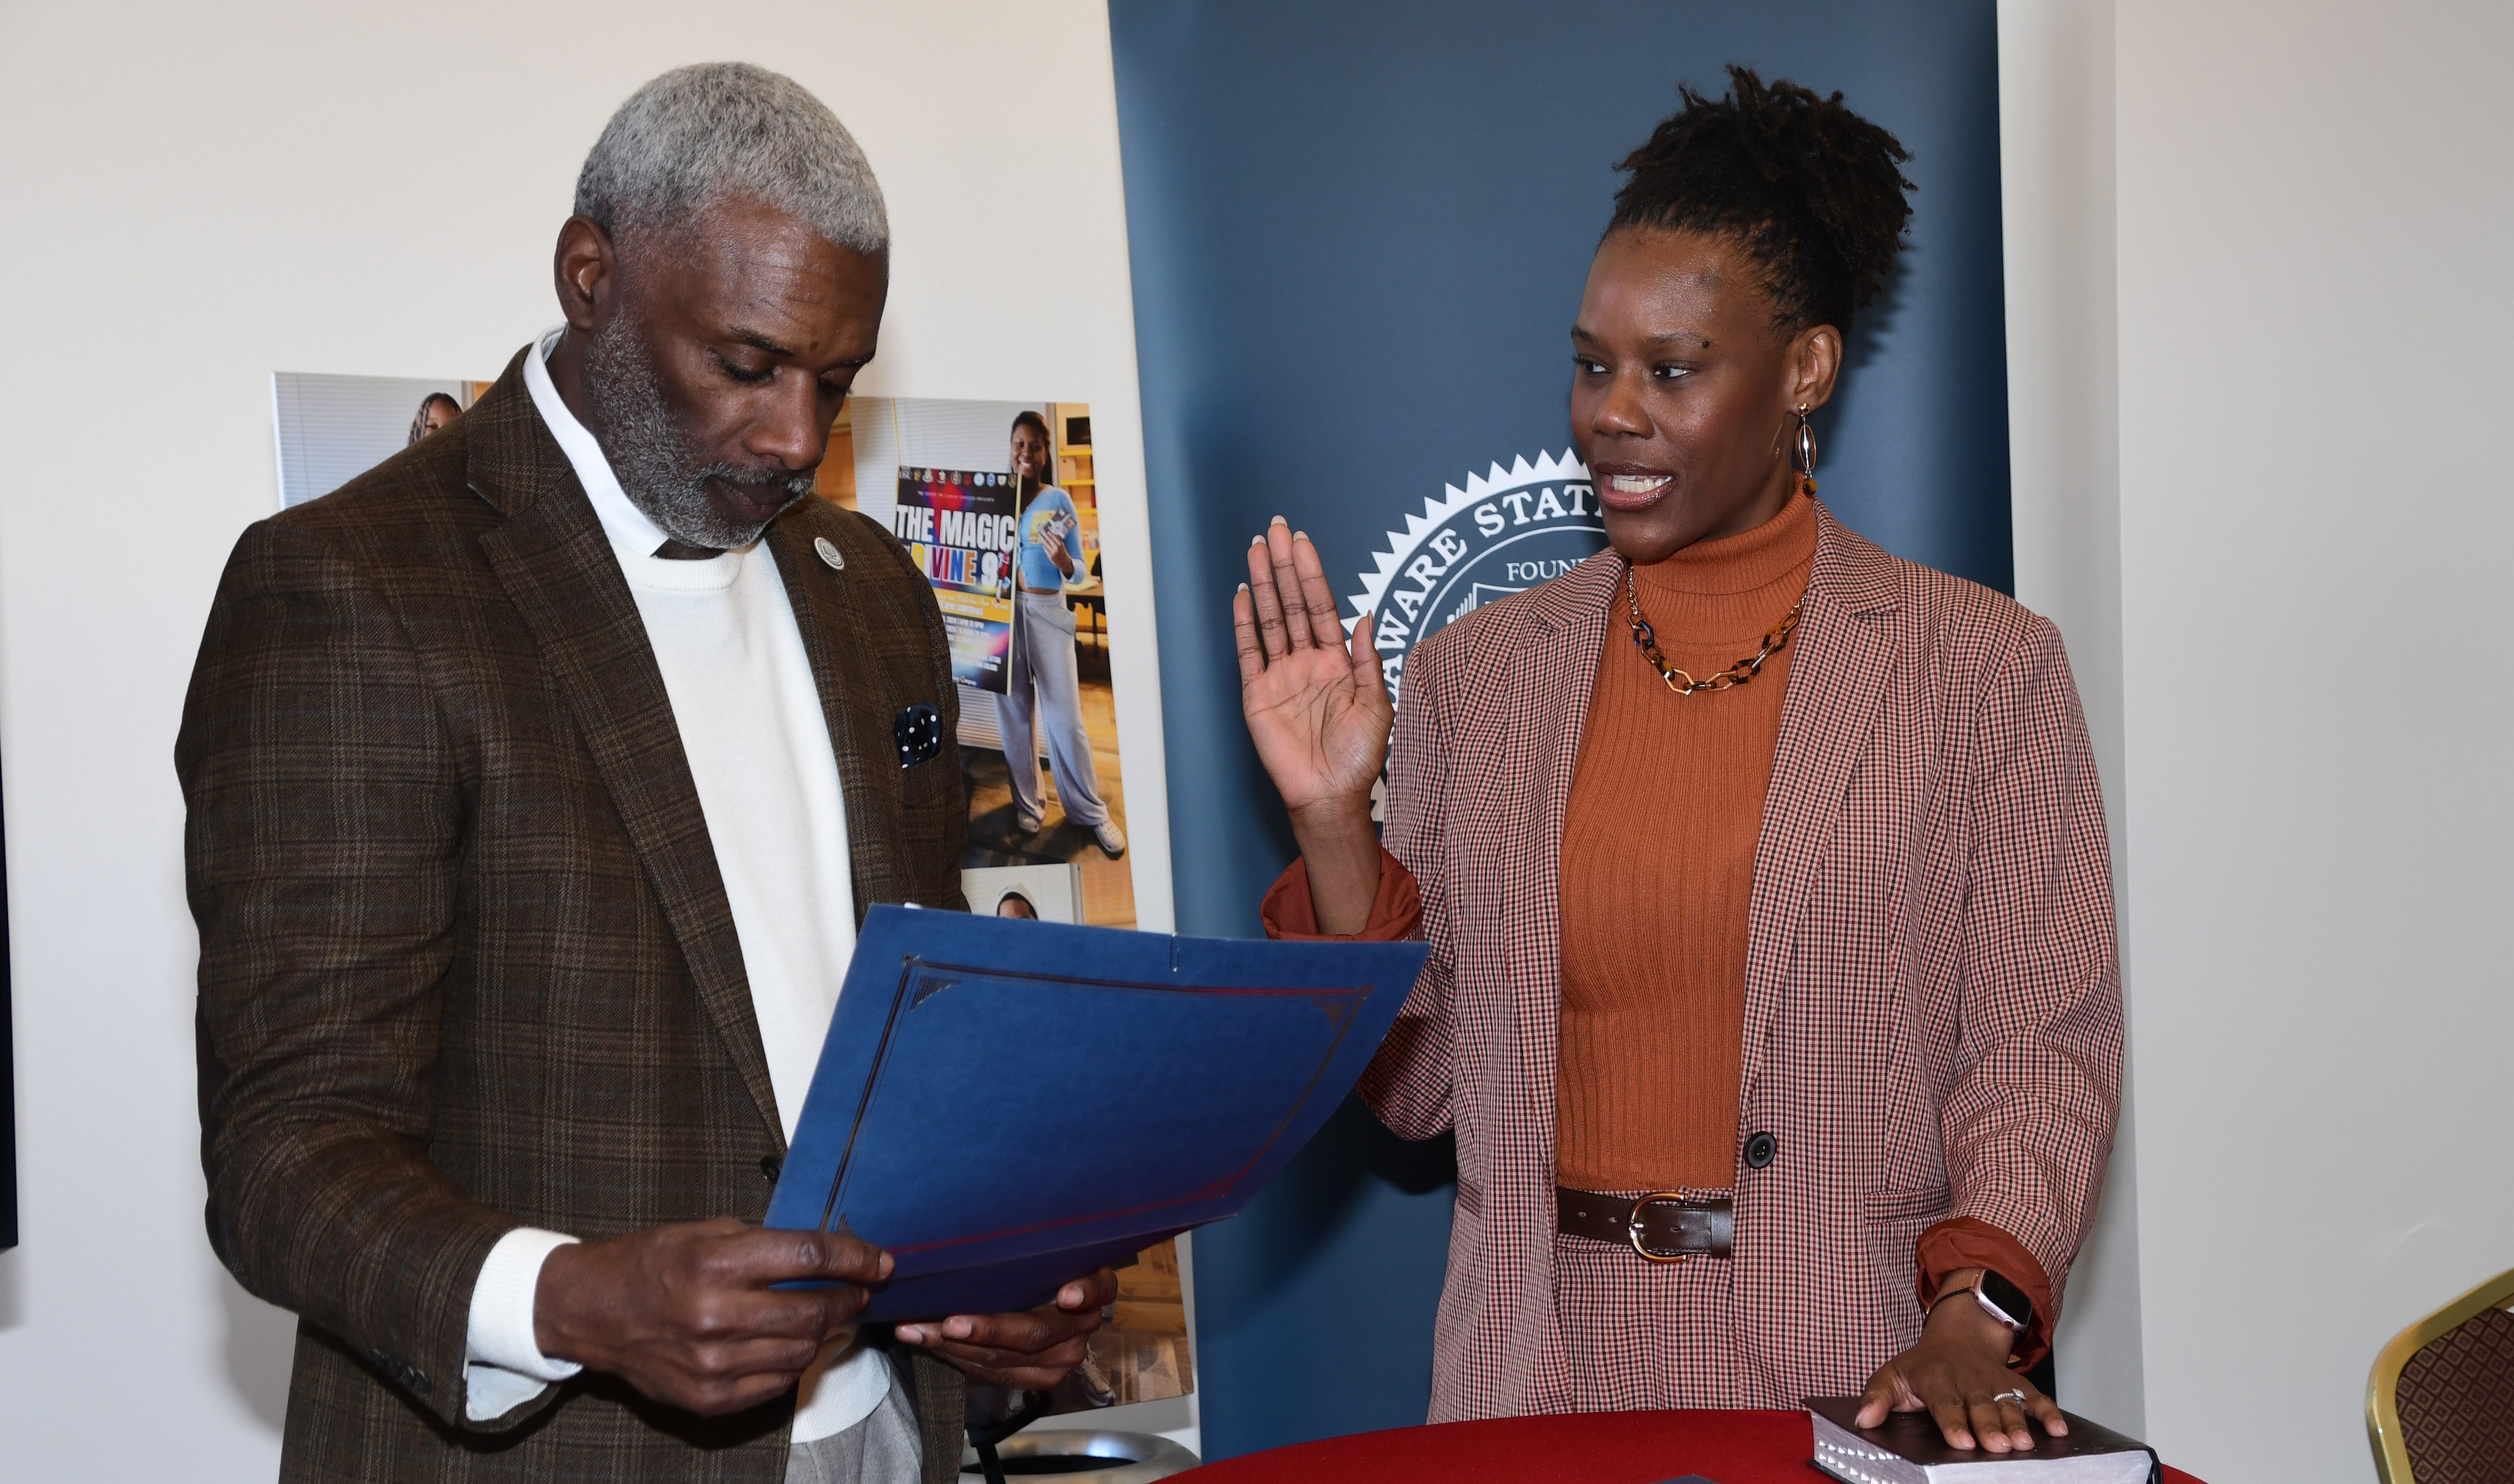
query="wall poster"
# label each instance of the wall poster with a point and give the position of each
(1043, 806)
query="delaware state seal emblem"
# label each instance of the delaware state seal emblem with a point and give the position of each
(1503, 532)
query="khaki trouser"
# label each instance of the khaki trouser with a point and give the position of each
(883, 1448)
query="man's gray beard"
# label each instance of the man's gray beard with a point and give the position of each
(657, 467)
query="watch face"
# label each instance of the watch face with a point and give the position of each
(2006, 1301)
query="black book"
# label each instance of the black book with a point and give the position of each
(1909, 1450)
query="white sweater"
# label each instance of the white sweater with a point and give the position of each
(758, 747)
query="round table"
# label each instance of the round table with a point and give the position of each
(1575, 1447)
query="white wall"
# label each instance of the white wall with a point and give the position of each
(2256, 368)
(2056, 121)
(199, 195)
(2314, 205)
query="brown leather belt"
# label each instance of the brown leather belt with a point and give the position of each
(1664, 1227)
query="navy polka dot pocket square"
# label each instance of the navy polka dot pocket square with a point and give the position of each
(918, 731)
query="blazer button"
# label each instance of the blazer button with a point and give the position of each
(1760, 1149)
(772, 1167)
(400, 1370)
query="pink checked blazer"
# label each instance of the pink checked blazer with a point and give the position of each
(1933, 1018)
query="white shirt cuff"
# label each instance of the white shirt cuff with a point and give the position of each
(506, 1366)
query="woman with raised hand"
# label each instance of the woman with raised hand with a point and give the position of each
(1773, 994)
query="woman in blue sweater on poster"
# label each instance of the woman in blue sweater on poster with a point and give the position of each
(1043, 656)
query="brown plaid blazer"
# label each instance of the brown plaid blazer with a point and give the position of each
(467, 961)
(1933, 1017)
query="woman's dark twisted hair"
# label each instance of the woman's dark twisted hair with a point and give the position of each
(1811, 190)
(418, 428)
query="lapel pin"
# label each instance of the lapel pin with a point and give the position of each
(828, 551)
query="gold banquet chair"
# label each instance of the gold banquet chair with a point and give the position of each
(2440, 1407)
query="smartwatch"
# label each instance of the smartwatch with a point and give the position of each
(2000, 1299)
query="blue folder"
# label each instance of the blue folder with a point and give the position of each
(1006, 1105)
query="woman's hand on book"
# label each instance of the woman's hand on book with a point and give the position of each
(1958, 1372)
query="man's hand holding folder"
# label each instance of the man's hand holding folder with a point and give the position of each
(1028, 1352)
(690, 1314)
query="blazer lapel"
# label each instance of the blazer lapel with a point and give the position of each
(556, 565)
(1565, 631)
(826, 610)
(1559, 629)
(1847, 653)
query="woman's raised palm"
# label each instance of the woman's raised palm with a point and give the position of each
(1315, 705)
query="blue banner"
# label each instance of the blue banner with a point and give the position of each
(1359, 237)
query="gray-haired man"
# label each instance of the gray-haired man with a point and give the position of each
(537, 781)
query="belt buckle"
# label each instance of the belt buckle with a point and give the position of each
(1633, 1225)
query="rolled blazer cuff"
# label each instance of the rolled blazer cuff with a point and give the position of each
(1963, 1241)
(1396, 913)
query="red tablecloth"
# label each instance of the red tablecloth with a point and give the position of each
(1577, 1448)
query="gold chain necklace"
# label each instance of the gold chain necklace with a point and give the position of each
(1645, 639)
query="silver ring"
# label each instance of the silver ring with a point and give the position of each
(2017, 1397)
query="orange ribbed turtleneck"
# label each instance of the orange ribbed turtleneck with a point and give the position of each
(1658, 868)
